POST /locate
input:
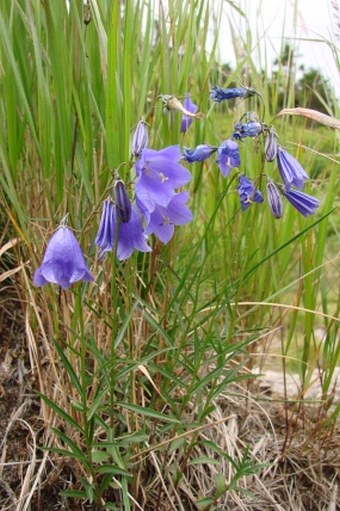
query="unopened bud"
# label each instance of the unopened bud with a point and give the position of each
(270, 145)
(274, 199)
(122, 202)
(140, 138)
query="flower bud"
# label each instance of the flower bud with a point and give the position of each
(247, 129)
(270, 145)
(218, 94)
(122, 202)
(199, 153)
(274, 199)
(140, 138)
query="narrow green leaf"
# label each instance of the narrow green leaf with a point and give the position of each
(112, 469)
(68, 367)
(62, 413)
(147, 412)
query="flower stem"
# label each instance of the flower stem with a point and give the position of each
(114, 328)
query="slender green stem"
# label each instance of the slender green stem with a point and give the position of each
(114, 327)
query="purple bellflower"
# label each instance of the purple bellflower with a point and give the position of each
(274, 199)
(158, 174)
(199, 153)
(248, 193)
(290, 169)
(140, 138)
(218, 94)
(247, 129)
(162, 220)
(228, 156)
(190, 107)
(63, 262)
(304, 203)
(130, 236)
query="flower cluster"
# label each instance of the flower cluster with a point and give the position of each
(125, 226)
(290, 170)
(159, 202)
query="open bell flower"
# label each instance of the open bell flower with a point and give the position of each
(248, 193)
(162, 221)
(131, 235)
(290, 169)
(228, 156)
(63, 262)
(158, 174)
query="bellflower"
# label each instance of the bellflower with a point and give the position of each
(274, 199)
(130, 236)
(158, 174)
(304, 203)
(199, 153)
(248, 193)
(63, 262)
(140, 138)
(218, 94)
(228, 156)
(247, 129)
(162, 220)
(190, 107)
(290, 169)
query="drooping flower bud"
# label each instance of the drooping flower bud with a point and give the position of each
(140, 138)
(270, 145)
(122, 202)
(274, 199)
(199, 153)
(247, 129)
(218, 94)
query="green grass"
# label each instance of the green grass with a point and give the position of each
(137, 361)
